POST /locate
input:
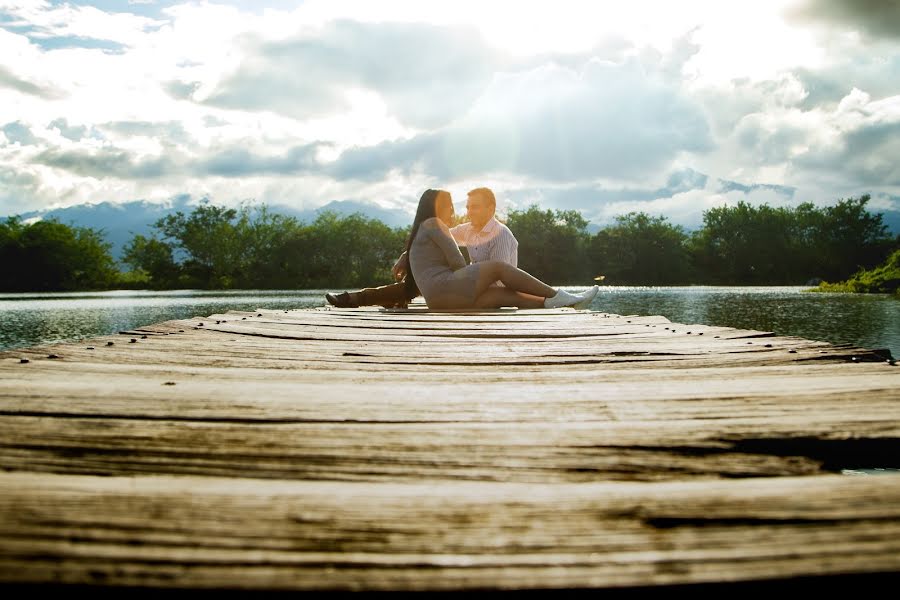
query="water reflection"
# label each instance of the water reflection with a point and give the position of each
(871, 321)
(29, 319)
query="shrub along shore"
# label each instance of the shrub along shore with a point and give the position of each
(883, 279)
(215, 247)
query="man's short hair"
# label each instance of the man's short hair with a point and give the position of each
(485, 193)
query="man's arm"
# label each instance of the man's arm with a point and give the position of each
(506, 248)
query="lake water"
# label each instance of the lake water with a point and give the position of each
(869, 321)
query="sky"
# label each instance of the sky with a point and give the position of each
(669, 108)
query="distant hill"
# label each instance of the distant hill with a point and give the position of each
(121, 222)
(892, 220)
(390, 217)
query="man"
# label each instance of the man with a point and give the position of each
(483, 236)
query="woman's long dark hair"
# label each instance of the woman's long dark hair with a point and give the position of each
(427, 209)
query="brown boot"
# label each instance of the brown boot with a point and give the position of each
(388, 296)
(343, 300)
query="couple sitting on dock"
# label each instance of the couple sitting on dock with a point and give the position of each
(433, 265)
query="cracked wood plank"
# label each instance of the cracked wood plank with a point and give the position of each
(237, 533)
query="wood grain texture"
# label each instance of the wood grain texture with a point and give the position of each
(435, 450)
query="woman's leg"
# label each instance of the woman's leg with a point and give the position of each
(513, 278)
(393, 294)
(390, 295)
(496, 297)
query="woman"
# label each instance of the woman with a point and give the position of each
(439, 271)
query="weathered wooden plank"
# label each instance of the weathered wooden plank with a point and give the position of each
(533, 452)
(441, 394)
(203, 347)
(209, 532)
(571, 325)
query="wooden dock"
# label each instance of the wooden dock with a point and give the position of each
(418, 450)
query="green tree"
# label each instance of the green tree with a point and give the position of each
(746, 244)
(552, 244)
(347, 251)
(207, 237)
(51, 256)
(218, 247)
(262, 236)
(851, 238)
(251, 247)
(154, 260)
(640, 249)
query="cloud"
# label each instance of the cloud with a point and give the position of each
(230, 162)
(856, 67)
(70, 132)
(426, 75)
(18, 132)
(169, 131)
(16, 185)
(22, 70)
(181, 90)
(767, 139)
(554, 123)
(866, 155)
(374, 162)
(10, 80)
(683, 180)
(743, 104)
(726, 186)
(877, 18)
(66, 25)
(825, 150)
(15, 177)
(108, 162)
(589, 107)
(212, 121)
(686, 207)
(238, 162)
(858, 142)
(592, 199)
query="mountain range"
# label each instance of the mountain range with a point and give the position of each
(121, 222)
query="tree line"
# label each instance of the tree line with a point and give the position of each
(736, 245)
(214, 247)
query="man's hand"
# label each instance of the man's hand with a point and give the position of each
(400, 267)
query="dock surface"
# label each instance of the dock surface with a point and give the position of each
(364, 449)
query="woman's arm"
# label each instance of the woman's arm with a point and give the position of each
(401, 267)
(440, 234)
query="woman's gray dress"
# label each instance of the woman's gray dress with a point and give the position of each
(440, 269)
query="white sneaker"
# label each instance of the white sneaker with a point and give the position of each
(561, 299)
(587, 298)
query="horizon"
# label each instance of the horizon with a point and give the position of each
(391, 217)
(667, 109)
